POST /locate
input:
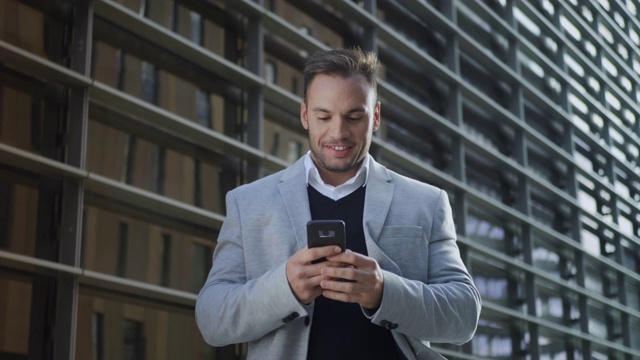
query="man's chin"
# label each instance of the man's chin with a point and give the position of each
(337, 165)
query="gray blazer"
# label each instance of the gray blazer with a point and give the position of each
(428, 293)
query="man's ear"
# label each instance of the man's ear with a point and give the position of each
(376, 116)
(304, 119)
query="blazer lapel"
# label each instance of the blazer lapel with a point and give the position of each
(293, 190)
(376, 207)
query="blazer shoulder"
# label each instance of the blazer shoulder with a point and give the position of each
(405, 182)
(269, 183)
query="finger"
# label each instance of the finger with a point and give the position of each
(351, 293)
(304, 256)
(308, 294)
(352, 258)
(339, 296)
(335, 272)
(341, 284)
(310, 272)
(321, 252)
(306, 288)
(333, 264)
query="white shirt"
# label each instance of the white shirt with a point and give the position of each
(335, 192)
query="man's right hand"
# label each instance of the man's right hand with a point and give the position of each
(303, 276)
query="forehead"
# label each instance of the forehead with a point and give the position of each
(340, 87)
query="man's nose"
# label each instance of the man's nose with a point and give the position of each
(339, 129)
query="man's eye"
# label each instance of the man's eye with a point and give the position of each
(324, 118)
(354, 119)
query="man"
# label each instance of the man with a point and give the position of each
(406, 284)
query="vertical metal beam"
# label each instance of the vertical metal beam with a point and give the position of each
(454, 113)
(70, 231)
(231, 168)
(517, 107)
(370, 39)
(44, 287)
(610, 175)
(255, 122)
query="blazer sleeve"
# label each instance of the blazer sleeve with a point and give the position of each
(231, 309)
(446, 307)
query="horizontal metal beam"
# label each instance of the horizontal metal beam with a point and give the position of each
(175, 125)
(117, 190)
(36, 266)
(276, 24)
(564, 330)
(38, 164)
(95, 279)
(164, 38)
(550, 278)
(146, 292)
(103, 94)
(448, 182)
(136, 197)
(36, 66)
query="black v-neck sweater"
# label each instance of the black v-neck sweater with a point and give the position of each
(340, 330)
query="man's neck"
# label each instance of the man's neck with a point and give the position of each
(336, 178)
(336, 185)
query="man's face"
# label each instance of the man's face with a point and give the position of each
(341, 115)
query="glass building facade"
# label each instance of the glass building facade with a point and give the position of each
(123, 124)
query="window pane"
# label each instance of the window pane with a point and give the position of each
(140, 249)
(500, 337)
(26, 205)
(192, 178)
(15, 312)
(137, 330)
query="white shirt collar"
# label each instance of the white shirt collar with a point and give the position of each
(335, 192)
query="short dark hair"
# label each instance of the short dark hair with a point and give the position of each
(341, 62)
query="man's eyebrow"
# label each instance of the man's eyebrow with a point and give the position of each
(354, 110)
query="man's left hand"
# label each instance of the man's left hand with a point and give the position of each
(365, 280)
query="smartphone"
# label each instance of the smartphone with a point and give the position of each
(324, 233)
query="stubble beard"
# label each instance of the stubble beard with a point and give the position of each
(320, 161)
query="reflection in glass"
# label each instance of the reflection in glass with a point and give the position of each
(114, 327)
(556, 346)
(15, 312)
(557, 305)
(193, 178)
(554, 258)
(134, 341)
(97, 335)
(499, 234)
(499, 283)
(126, 246)
(500, 337)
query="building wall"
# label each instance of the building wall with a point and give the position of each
(124, 123)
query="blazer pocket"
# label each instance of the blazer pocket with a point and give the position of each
(401, 232)
(406, 246)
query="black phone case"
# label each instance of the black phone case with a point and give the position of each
(324, 233)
